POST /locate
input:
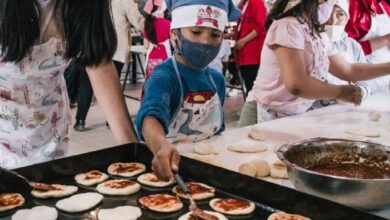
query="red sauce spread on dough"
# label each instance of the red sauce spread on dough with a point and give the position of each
(126, 168)
(232, 204)
(195, 188)
(359, 171)
(154, 179)
(43, 187)
(193, 217)
(119, 184)
(9, 199)
(93, 175)
(160, 200)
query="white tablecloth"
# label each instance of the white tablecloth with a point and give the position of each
(327, 122)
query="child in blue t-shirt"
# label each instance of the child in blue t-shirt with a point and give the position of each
(184, 98)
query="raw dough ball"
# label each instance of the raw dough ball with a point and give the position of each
(247, 147)
(210, 159)
(247, 169)
(374, 116)
(362, 132)
(36, 213)
(206, 149)
(279, 170)
(257, 134)
(262, 168)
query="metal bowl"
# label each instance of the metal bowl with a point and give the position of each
(366, 194)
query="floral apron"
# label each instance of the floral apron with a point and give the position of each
(34, 108)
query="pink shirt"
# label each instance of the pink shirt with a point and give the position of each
(163, 29)
(269, 90)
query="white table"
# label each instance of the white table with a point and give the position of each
(327, 122)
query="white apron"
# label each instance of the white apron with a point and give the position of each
(196, 121)
(34, 108)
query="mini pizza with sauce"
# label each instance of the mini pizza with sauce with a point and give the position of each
(286, 216)
(161, 203)
(191, 216)
(118, 187)
(198, 191)
(10, 201)
(90, 178)
(232, 206)
(150, 179)
(126, 169)
(54, 191)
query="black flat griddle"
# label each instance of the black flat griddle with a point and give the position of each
(268, 197)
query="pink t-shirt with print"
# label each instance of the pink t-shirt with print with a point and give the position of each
(269, 90)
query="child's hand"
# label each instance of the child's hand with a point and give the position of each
(166, 160)
(351, 94)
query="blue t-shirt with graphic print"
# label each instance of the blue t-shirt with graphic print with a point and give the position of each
(162, 91)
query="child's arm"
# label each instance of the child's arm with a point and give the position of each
(300, 83)
(166, 158)
(356, 71)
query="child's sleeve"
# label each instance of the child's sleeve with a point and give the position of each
(159, 93)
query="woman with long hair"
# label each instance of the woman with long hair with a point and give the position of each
(37, 38)
(296, 59)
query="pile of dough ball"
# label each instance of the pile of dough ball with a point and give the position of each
(261, 168)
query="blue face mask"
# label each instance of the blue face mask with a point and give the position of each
(198, 55)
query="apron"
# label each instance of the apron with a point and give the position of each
(195, 121)
(380, 26)
(34, 108)
(152, 63)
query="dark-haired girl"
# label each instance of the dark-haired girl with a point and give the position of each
(156, 33)
(296, 59)
(36, 40)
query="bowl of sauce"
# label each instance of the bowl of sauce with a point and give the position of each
(353, 173)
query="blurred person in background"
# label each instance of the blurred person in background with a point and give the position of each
(296, 61)
(250, 34)
(156, 33)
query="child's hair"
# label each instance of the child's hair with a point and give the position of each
(308, 8)
(87, 29)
